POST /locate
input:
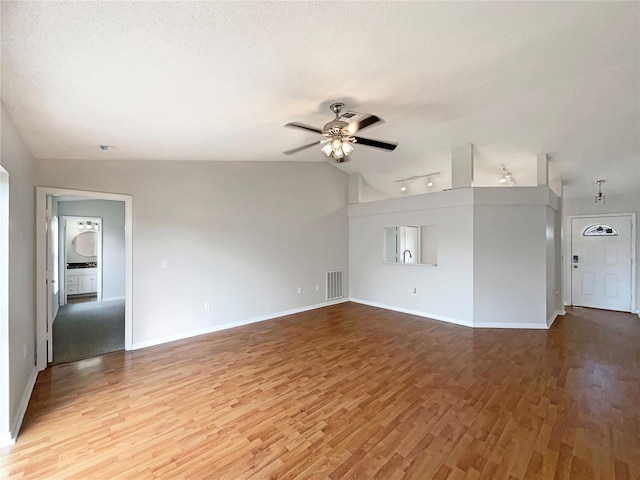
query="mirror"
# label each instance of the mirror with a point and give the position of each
(410, 244)
(84, 244)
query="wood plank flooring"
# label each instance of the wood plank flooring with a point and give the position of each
(347, 392)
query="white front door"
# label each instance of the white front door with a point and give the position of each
(601, 262)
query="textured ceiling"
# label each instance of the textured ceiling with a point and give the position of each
(218, 80)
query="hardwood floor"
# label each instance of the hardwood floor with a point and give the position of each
(347, 392)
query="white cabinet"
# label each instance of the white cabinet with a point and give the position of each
(81, 280)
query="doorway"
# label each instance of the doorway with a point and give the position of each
(602, 262)
(44, 269)
(80, 250)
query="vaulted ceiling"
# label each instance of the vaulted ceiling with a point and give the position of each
(217, 81)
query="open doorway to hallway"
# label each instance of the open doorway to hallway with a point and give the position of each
(80, 268)
(88, 298)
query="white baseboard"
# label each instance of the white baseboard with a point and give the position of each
(6, 440)
(523, 326)
(112, 299)
(22, 407)
(238, 323)
(465, 323)
(554, 316)
(432, 316)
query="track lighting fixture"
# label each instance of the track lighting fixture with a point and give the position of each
(507, 176)
(404, 181)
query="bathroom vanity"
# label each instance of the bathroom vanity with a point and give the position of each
(81, 278)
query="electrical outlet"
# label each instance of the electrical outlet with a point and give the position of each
(317, 288)
(164, 264)
(207, 305)
(299, 289)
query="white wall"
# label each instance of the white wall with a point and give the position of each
(17, 160)
(586, 206)
(113, 249)
(240, 235)
(444, 291)
(493, 262)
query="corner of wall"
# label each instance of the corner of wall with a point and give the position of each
(16, 422)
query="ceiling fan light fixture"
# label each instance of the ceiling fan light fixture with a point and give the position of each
(338, 134)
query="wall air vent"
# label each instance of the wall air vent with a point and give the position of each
(334, 285)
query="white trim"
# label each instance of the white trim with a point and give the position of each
(464, 323)
(554, 316)
(523, 326)
(5, 402)
(113, 299)
(238, 323)
(6, 440)
(456, 321)
(568, 300)
(41, 291)
(22, 406)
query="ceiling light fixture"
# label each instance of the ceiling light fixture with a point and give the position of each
(403, 182)
(507, 176)
(339, 140)
(88, 225)
(600, 200)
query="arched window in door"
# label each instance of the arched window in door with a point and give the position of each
(600, 230)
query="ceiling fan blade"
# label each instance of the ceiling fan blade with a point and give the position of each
(304, 147)
(375, 143)
(303, 126)
(368, 121)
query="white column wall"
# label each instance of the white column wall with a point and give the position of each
(444, 291)
(496, 254)
(510, 265)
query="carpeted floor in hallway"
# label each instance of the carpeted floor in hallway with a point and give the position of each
(86, 330)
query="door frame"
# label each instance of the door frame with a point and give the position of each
(64, 219)
(41, 263)
(632, 247)
(5, 420)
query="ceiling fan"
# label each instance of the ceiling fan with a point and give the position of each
(339, 134)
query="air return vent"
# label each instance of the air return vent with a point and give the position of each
(334, 285)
